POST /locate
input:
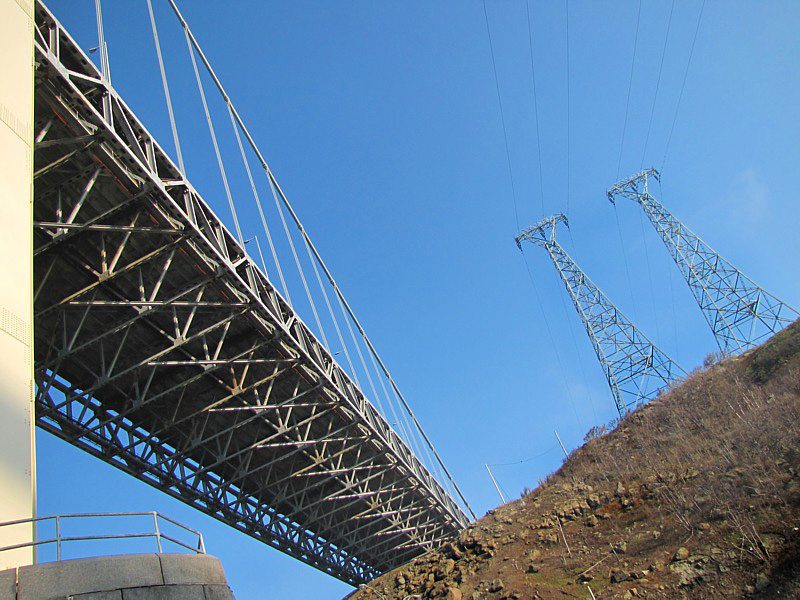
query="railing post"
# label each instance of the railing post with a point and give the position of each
(158, 533)
(201, 544)
(58, 537)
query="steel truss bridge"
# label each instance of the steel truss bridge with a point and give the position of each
(162, 349)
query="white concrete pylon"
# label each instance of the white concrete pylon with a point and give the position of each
(17, 449)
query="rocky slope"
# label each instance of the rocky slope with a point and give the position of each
(695, 495)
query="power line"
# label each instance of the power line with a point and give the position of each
(630, 85)
(524, 460)
(502, 116)
(568, 106)
(619, 160)
(535, 106)
(683, 85)
(552, 340)
(644, 152)
(658, 83)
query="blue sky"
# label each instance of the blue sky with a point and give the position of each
(382, 124)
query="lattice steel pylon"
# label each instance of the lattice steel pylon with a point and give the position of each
(636, 370)
(740, 313)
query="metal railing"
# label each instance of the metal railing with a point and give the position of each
(157, 532)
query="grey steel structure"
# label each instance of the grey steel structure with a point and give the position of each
(163, 350)
(740, 313)
(636, 370)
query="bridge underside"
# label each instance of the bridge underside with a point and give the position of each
(161, 349)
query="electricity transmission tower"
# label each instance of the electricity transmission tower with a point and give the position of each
(635, 369)
(740, 313)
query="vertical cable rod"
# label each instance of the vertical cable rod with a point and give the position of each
(258, 204)
(277, 191)
(166, 89)
(214, 140)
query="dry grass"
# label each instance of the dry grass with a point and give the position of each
(711, 468)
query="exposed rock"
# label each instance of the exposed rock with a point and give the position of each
(496, 585)
(762, 581)
(680, 554)
(519, 552)
(618, 576)
(453, 594)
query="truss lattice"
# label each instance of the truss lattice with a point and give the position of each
(636, 370)
(162, 349)
(740, 313)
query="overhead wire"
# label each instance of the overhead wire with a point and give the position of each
(672, 296)
(571, 327)
(567, 211)
(683, 85)
(569, 178)
(525, 460)
(535, 107)
(539, 152)
(567, 387)
(641, 166)
(658, 83)
(630, 86)
(502, 116)
(619, 160)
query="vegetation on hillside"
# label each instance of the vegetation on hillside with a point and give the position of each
(695, 495)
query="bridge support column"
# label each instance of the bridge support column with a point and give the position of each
(17, 449)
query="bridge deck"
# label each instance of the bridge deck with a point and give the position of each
(163, 350)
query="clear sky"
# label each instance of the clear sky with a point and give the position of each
(381, 121)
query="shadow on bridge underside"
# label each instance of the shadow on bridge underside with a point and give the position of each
(162, 349)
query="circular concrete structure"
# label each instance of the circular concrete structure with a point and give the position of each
(124, 577)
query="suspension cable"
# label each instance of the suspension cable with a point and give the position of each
(258, 202)
(333, 316)
(296, 258)
(277, 191)
(214, 139)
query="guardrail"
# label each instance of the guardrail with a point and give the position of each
(157, 532)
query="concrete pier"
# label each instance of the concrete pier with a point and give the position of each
(124, 577)
(17, 472)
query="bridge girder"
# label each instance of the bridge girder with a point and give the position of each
(164, 351)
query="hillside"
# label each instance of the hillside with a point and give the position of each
(695, 495)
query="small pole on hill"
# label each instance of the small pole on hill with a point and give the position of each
(562, 445)
(503, 500)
